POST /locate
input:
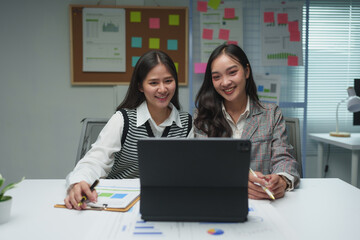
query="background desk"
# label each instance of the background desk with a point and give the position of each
(352, 143)
(319, 209)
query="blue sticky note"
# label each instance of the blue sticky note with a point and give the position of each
(260, 88)
(119, 195)
(134, 60)
(136, 42)
(172, 44)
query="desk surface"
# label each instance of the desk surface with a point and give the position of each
(319, 209)
(352, 142)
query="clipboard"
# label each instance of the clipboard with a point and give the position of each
(105, 207)
(116, 195)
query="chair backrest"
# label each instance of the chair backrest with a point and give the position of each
(90, 131)
(293, 132)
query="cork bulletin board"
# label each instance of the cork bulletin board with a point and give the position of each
(147, 28)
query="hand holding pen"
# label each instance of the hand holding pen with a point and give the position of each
(79, 193)
(262, 185)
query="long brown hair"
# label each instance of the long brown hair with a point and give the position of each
(210, 118)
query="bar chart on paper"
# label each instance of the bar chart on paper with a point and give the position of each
(268, 88)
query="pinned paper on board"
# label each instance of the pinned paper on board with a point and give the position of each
(281, 34)
(268, 88)
(221, 23)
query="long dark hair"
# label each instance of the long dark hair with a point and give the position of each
(210, 118)
(134, 97)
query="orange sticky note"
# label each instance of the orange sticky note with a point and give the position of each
(202, 6)
(207, 34)
(269, 17)
(293, 61)
(224, 34)
(154, 23)
(229, 13)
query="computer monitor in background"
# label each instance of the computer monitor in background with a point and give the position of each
(357, 91)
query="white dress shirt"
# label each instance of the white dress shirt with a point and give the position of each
(99, 160)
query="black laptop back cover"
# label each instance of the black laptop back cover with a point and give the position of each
(194, 179)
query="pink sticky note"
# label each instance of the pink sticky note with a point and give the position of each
(295, 36)
(229, 13)
(282, 18)
(207, 34)
(293, 26)
(232, 42)
(224, 34)
(202, 6)
(293, 61)
(200, 67)
(269, 17)
(154, 23)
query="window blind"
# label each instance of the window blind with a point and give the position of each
(334, 62)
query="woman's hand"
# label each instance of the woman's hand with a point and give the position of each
(275, 183)
(76, 193)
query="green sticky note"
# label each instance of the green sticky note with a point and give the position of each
(134, 60)
(174, 20)
(135, 16)
(154, 43)
(214, 4)
(172, 44)
(176, 66)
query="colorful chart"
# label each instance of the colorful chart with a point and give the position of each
(215, 231)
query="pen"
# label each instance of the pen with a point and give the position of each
(263, 187)
(84, 198)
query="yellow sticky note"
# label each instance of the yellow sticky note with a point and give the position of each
(135, 16)
(174, 20)
(176, 66)
(214, 4)
(154, 43)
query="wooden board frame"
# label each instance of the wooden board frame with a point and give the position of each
(179, 56)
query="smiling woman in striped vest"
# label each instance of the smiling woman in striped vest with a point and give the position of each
(150, 109)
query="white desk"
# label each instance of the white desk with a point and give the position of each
(319, 209)
(352, 143)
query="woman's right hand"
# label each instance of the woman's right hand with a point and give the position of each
(76, 193)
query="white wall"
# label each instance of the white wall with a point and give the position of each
(40, 111)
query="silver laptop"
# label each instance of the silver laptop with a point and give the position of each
(194, 179)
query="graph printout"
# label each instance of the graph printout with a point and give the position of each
(281, 33)
(104, 40)
(221, 25)
(268, 88)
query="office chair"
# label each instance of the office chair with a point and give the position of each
(90, 131)
(293, 131)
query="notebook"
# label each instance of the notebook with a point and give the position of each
(194, 179)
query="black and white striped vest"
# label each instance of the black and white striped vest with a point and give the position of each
(126, 160)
